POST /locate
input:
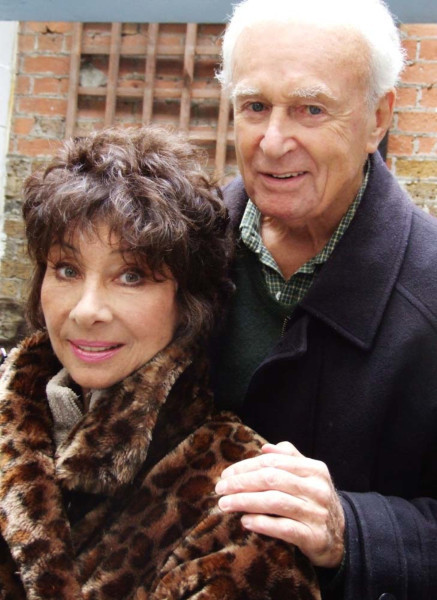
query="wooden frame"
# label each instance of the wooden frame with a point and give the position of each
(191, 53)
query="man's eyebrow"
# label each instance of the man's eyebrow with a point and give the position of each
(315, 91)
(310, 92)
(242, 91)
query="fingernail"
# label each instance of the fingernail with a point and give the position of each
(220, 487)
(228, 471)
(247, 521)
(223, 503)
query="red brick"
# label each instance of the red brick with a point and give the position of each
(400, 145)
(405, 97)
(429, 97)
(59, 26)
(43, 106)
(34, 26)
(27, 42)
(427, 145)
(91, 108)
(129, 67)
(47, 26)
(173, 28)
(171, 39)
(37, 147)
(211, 29)
(97, 43)
(93, 28)
(411, 48)
(51, 42)
(420, 29)
(22, 84)
(421, 73)
(130, 29)
(428, 49)
(134, 84)
(56, 65)
(68, 43)
(134, 41)
(50, 85)
(168, 84)
(417, 122)
(23, 125)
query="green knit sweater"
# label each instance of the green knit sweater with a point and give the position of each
(254, 325)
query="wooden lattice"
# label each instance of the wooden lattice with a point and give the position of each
(151, 73)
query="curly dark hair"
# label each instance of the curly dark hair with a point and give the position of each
(147, 185)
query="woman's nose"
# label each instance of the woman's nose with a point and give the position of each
(92, 306)
(279, 136)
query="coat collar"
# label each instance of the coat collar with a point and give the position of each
(352, 290)
(128, 430)
(107, 447)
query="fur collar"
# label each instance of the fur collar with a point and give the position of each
(129, 429)
(105, 449)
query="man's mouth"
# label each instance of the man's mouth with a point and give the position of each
(287, 175)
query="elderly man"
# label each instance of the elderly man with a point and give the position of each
(330, 350)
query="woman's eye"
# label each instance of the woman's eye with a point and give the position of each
(131, 278)
(66, 271)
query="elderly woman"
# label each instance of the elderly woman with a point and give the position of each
(110, 447)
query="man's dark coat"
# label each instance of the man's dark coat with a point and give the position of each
(353, 382)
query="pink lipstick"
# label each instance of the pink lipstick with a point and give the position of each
(93, 352)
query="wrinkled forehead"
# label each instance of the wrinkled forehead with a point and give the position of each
(266, 49)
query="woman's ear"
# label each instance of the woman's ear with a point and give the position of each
(381, 119)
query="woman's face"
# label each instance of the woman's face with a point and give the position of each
(105, 316)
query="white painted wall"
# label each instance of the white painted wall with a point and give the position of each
(8, 53)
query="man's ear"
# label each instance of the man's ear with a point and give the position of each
(381, 118)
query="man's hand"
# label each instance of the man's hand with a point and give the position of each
(290, 497)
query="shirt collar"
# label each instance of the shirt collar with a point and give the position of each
(251, 237)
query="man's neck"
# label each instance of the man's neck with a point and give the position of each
(292, 247)
(293, 244)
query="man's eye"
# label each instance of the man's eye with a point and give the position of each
(314, 110)
(257, 106)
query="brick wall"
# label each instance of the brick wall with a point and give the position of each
(40, 106)
(412, 149)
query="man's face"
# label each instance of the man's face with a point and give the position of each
(303, 126)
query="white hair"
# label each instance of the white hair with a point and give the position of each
(369, 18)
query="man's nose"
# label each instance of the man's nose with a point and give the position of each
(92, 306)
(279, 136)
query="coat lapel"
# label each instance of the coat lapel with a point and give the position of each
(102, 454)
(108, 446)
(353, 288)
(32, 519)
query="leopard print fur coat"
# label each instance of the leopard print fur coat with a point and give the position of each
(125, 507)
